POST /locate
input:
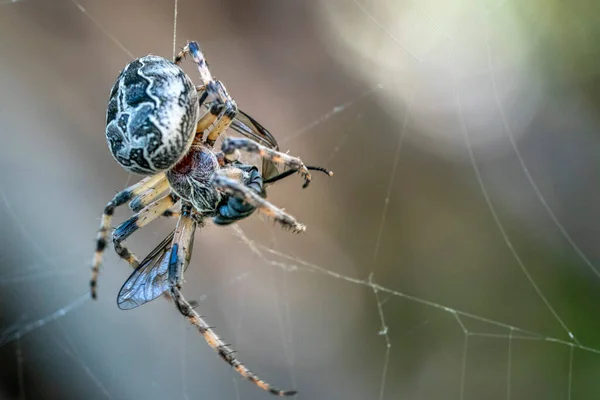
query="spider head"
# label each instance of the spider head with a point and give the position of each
(152, 115)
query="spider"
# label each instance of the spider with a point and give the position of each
(155, 128)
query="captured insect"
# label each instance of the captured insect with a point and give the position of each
(156, 125)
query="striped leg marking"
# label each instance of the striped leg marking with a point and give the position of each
(222, 181)
(220, 347)
(120, 198)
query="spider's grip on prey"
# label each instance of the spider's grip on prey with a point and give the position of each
(237, 190)
(155, 127)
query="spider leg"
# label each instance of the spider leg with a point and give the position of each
(229, 112)
(180, 256)
(193, 49)
(221, 114)
(120, 198)
(149, 195)
(137, 221)
(226, 181)
(231, 144)
(217, 120)
(170, 213)
(217, 344)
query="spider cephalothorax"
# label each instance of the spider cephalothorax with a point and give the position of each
(155, 126)
(190, 178)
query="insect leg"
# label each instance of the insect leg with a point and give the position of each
(231, 144)
(233, 187)
(289, 172)
(119, 199)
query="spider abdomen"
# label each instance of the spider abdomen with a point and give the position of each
(190, 178)
(152, 115)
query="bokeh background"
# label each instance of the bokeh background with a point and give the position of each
(461, 226)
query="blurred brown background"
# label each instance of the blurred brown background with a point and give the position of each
(464, 138)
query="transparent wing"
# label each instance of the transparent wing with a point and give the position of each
(249, 127)
(149, 280)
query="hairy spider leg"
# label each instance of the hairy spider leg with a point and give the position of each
(230, 111)
(171, 213)
(181, 252)
(120, 198)
(216, 121)
(219, 346)
(229, 145)
(149, 195)
(193, 49)
(211, 85)
(137, 221)
(222, 113)
(226, 181)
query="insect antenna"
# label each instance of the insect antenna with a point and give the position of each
(291, 172)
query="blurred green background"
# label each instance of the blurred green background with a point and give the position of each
(461, 225)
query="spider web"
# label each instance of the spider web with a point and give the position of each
(451, 256)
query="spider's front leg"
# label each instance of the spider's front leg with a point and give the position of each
(229, 145)
(132, 192)
(193, 49)
(224, 110)
(227, 180)
(217, 120)
(181, 253)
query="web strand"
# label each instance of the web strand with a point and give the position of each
(386, 201)
(175, 29)
(501, 226)
(385, 31)
(333, 112)
(299, 265)
(13, 334)
(509, 364)
(507, 129)
(103, 29)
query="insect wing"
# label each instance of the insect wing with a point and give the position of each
(249, 127)
(254, 130)
(149, 280)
